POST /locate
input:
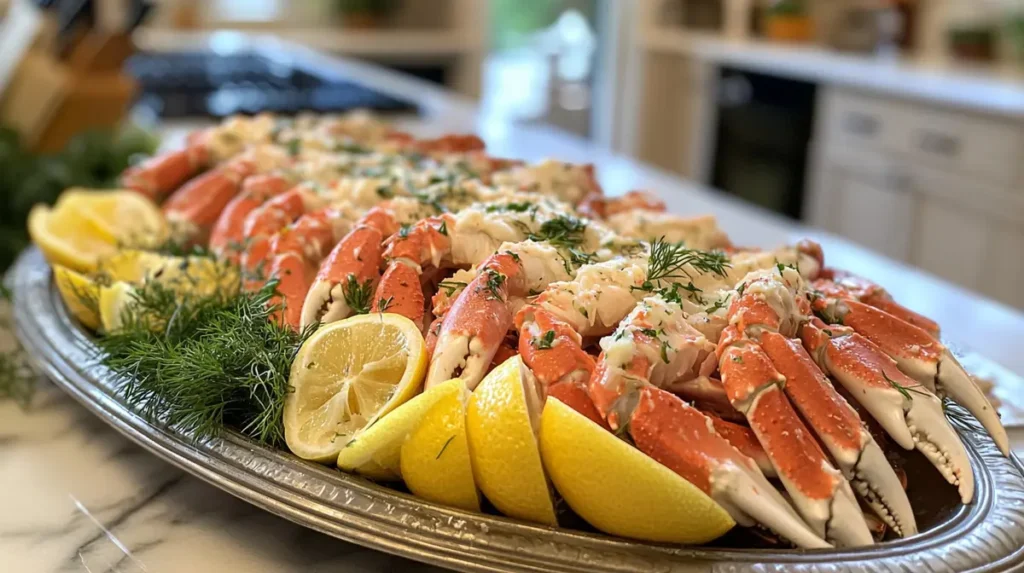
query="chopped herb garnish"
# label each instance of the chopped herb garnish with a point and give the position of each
(385, 303)
(444, 447)
(719, 305)
(520, 207)
(545, 341)
(356, 295)
(294, 146)
(904, 390)
(451, 286)
(385, 192)
(664, 351)
(495, 281)
(403, 232)
(443, 229)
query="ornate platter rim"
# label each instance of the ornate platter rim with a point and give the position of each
(987, 535)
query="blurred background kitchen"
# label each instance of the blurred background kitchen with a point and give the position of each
(898, 124)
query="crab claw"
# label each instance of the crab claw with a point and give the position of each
(925, 360)
(684, 440)
(842, 432)
(346, 279)
(910, 413)
(477, 323)
(820, 492)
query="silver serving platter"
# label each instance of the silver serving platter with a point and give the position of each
(987, 535)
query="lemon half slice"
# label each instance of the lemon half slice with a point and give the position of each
(346, 376)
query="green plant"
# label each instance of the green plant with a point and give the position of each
(92, 159)
(788, 8)
(376, 7)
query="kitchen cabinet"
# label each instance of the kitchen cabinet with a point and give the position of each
(950, 240)
(929, 186)
(862, 200)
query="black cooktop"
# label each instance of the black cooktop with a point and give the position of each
(178, 85)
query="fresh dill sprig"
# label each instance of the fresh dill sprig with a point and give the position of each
(17, 380)
(451, 287)
(906, 391)
(495, 282)
(668, 261)
(357, 296)
(204, 363)
(563, 231)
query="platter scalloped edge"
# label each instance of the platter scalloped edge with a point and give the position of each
(987, 535)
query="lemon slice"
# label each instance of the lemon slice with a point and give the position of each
(124, 217)
(80, 294)
(376, 451)
(502, 444)
(620, 490)
(68, 239)
(346, 376)
(435, 458)
(130, 265)
(114, 304)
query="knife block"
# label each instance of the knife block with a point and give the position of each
(93, 101)
(48, 100)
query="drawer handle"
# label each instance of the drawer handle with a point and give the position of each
(861, 124)
(939, 144)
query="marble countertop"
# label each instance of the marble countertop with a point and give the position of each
(997, 89)
(79, 497)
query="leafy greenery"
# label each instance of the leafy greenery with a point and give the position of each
(17, 381)
(92, 159)
(205, 363)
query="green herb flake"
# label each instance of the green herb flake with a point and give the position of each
(444, 447)
(546, 340)
(356, 295)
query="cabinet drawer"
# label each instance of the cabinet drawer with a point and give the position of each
(986, 147)
(968, 144)
(864, 121)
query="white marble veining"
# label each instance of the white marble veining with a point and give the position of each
(79, 497)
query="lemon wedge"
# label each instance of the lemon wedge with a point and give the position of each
(346, 376)
(129, 265)
(80, 294)
(620, 490)
(122, 216)
(114, 304)
(67, 239)
(376, 451)
(503, 446)
(435, 458)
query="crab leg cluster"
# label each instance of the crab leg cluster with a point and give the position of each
(732, 367)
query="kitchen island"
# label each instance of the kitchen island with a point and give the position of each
(79, 497)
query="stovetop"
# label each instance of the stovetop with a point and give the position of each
(179, 85)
